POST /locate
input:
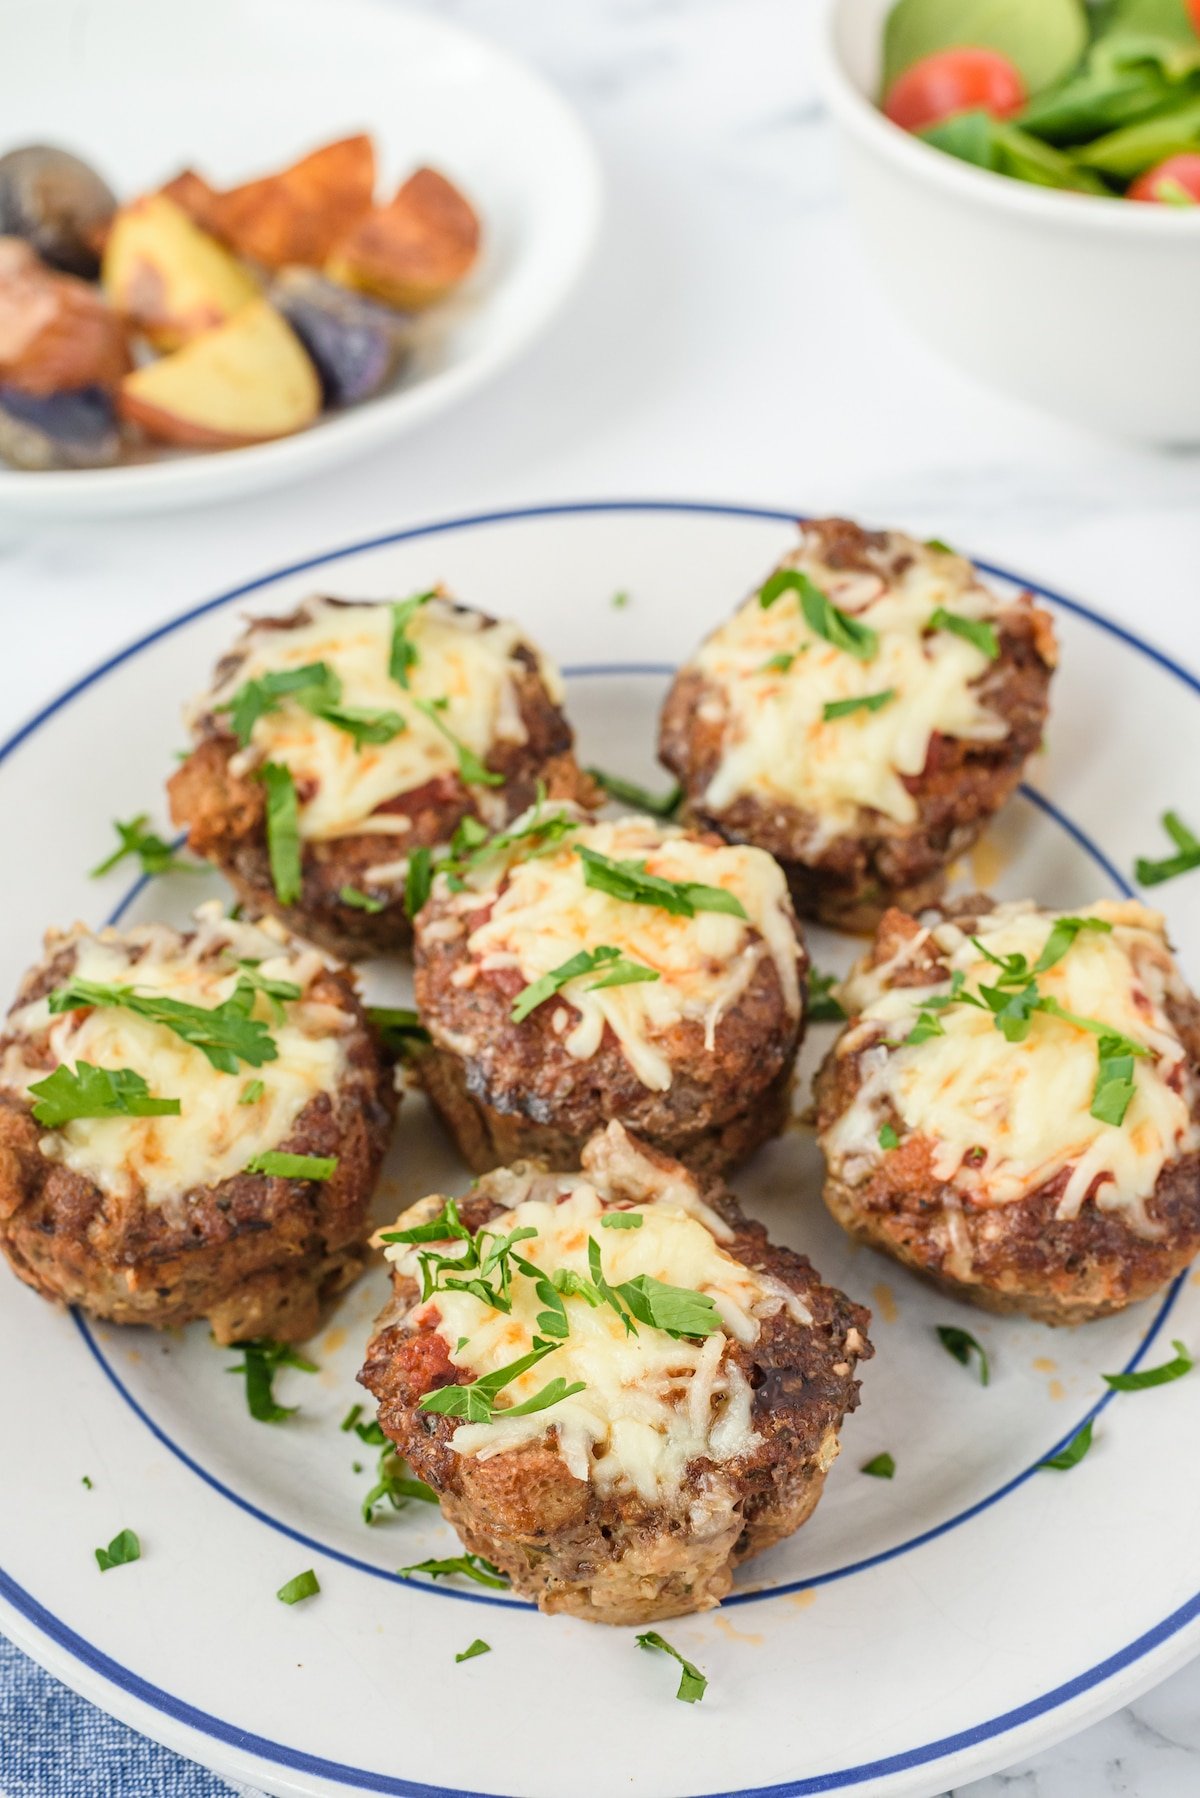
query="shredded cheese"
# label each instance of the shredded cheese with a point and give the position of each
(542, 913)
(776, 744)
(1007, 1118)
(463, 658)
(651, 1404)
(214, 1136)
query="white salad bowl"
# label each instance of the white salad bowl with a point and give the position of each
(1084, 306)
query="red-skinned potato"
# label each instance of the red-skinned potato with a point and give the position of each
(167, 277)
(243, 382)
(412, 251)
(295, 216)
(56, 333)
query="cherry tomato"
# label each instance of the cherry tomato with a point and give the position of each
(953, 81)
(1173, 182)
(1193, 7)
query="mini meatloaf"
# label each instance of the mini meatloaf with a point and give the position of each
(191, 1125)
(368, 731)
(662, 1387)
(1013, 1107)
(862, 716)
(623, 969)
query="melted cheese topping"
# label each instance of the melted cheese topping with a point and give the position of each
(776, 743)
(545, 914)
(651, 1405)
(1021, 1111)
(463, 657)
(214, 1136)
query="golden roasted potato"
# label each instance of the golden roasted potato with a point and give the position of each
(242, 382)
(56, 333)
(169, 278)
(412, 251)
(295, 216)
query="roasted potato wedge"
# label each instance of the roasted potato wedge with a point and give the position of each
(58, 430)
(56, 333)
(242, 382)
(170, 279)
(57, 203)
(295, 216)
(355, 343)
(412, 251)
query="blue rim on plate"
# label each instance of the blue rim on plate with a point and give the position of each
(364, 1779)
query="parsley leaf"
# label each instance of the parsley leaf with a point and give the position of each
(869, 702)
(472, 770)
(928, 1024)
(628, 793)
(401, 1029)
(478, 1646)
(1062, 936)
(880, 1467)
(312, 686)
(364, 723)
(251, 1093)
(225, 1033)
(1152, 873)
(351, 1418)
(473, 1566)
(1114, 1081)
(121, 1550)
(155, 856)
(692, 1683)
(780, 664)
(621, 1220)
(393, 1481)
(962, 1345)
(888, 1138)
(1075, 1450)
(418, 882)
(820, 613)
(278, 1166)
(1152, 1376)
(262, 1358)
(823, 1007)
(676, 1310)
(403, 656)
(357, 900)
(476, 1402)
(283, 831)
(91, 1092)
(303, 1585)
(972, 630)
(618, 972)
(629, 881)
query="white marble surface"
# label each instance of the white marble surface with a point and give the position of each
(729, 343)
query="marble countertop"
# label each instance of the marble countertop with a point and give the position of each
(729, 343)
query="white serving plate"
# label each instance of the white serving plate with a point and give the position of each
(142, 87)
(915, 1634)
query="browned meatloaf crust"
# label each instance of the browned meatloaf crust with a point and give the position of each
(1023, 1258)
(255, 1255)
(620, 1559)
(224, 814)
(517, 1094)
(851, 880)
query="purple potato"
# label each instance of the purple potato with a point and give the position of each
(58, 430)
(355, 343)
(56, 203)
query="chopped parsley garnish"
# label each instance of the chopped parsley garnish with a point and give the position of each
(972, 630)
(888, 1138)
(621, 1220)
(472, 770)
(312, 686)
(278, 1166)
(629, 881)
(1152, 1376)
(403, 657)
(869, 702)
(476, 1402)
(821, 615)
(89, 1092)
(473, 1566)
(617, 971)
(880, 1467)
(664, 805)
(262, 1358)
(393, 1481)
(692, 1683)
(283, 831)
(676, 1310)
(418, 882)
(780, 664)
(120, 1551)
(364, 723)
(85, 1481)
(619, 600)
(304, 1585)
(155, 856)
(357, 900)
(400, 1027)
(1073, 1453)
(351, 1418)
(823, 1008)
(275, 992)
(1152, 873)
(962, 1345)
(252, 1093)
(942, 549)
(478, 1646)
(1062, 936)
(928, 1024)
(225, 1033)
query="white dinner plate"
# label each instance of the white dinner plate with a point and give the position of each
(916, 1633)
(238, 87)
